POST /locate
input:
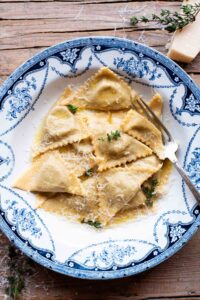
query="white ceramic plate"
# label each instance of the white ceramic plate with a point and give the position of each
(76, 249)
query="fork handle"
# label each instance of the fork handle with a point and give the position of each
(187, 180)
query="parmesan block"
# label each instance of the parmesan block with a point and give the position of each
(185, 43)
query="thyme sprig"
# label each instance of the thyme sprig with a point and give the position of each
(114, 135)
(171, 21)
(95, 224)
(149, 192)
(72, 108)
(19, 268)
(89, 172)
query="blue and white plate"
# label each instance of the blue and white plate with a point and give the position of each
(76, 249)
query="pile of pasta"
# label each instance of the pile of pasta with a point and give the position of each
(94, 152)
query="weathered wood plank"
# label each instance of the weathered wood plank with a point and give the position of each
(2, 79)
(10, 59)
(180, 298)
(10, 29)
(79, 1)
(4, 244)
(84, 1)
(196, 78)
(177, 277)
(153, 38)
(77, 13)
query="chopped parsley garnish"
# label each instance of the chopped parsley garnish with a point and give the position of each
(95, 224)
(149, 192)
(114, 135)
(72, 108)
(89, 172)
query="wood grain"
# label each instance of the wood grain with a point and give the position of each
(72, 1)
(154, 38)
(177, 277)
(196, 78)
(16, 55)
(78, 14)
(4, 244)
(27, 27)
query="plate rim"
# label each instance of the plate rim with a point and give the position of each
(83, 274)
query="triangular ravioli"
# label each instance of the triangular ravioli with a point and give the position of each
(98, 121)
(60, 122)
(68, 92)
(117, 152)
(60, 128)
(83, 147)
(62, 203)
(142, 129)
(135, 207)
(49, 174)
(117, 186)
(156, 104)
(137, 201)
(161, 176)
(77, 161)
(103, 91)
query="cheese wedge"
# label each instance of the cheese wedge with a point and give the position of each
(185, 43)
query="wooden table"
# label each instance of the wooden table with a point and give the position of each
(27, 27)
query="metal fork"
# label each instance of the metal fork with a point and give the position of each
(170, 145)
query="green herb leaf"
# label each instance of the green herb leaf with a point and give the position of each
(171, 28)
(144, 19)
(95, 224)
(149, 202)
(19, 267)
(72, 108)
(187, 9)
(149, 192)
(89, 172)
(16, 285)
(114, 135)
(171, 21)
(134, 21)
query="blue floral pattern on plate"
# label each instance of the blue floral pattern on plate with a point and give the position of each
(191, 104)
(176, 232)
(24, 219)
(70, 55)
(35, 232)
(20, 99)
(193, 167)
(7, 160)
(111, 254)
(137, 67)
